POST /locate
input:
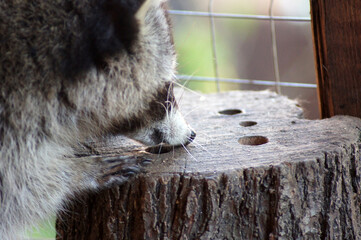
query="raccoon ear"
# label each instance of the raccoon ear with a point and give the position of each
(142, 11)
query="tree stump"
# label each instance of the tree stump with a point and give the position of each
(256, 170)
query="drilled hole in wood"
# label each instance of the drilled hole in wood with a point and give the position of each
(253, 140)
(159, 149)
(230, 112)
(247, 123)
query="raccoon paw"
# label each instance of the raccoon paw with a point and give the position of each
(118, 169)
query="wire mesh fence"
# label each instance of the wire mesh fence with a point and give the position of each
(277, 81)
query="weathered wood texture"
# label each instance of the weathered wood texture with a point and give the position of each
(302, 183)
(337, 38)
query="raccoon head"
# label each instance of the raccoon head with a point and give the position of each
(166, 125)
(150, 113)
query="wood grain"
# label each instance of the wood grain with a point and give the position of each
(302, 181)
(337, 40)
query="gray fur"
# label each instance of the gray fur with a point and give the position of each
(49, 104)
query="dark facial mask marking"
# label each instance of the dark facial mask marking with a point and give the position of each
(162, 103)
(157, 136)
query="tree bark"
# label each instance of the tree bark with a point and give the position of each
(264, 173)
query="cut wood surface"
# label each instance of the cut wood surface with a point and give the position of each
(262, 173)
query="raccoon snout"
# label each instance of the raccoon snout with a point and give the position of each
(171, 130)
(158, 137)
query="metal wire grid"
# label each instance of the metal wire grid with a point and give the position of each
(271, 18)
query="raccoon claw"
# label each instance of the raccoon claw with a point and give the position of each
(146, 162)
(120, 168)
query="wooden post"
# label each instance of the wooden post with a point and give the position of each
(337, 39)
(255, 171)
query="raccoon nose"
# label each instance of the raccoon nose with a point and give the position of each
(192, 137)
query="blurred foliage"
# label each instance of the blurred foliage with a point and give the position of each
(44, 230)
(194, 48)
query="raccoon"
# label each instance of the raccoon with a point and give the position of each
(73, 71)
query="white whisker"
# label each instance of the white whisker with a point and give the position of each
(189, 152)
(169, 92)
(204, 134)
(183, 86)
(160, 149)
(189, 112)
(208, 138)
(189, 90)
(202, 147)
